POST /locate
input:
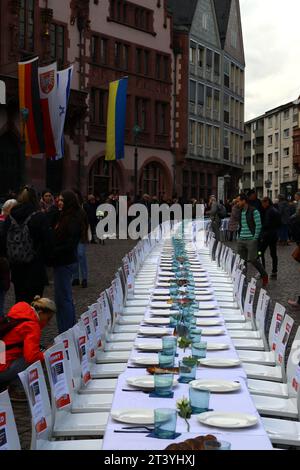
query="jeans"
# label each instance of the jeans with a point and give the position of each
(2, 298)
(270, 242)
(10, 375)
(248, 251)
(81, 265)
(283, 233)
(65, 314)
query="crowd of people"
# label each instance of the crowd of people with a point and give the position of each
(259, 225)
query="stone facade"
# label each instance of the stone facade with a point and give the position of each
(132, 32)
(211, 81)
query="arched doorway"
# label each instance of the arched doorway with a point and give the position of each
(10, 168)
(154, 180)
(104, 178)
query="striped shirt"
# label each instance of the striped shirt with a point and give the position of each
(245, 231)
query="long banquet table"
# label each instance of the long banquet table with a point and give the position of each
(252, 438)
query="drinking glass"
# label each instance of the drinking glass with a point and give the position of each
(199, 400)
(165, 420)
(199, 350)
(163, 384)
(165, 360)
(187, 373)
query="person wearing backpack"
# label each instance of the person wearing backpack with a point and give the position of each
(249, 233)
(271, 222)
(4, 264)
(20, 331)
(25, 241)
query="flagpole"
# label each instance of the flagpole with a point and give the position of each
(24, 114)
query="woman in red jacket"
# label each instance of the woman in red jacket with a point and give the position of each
(23, 341)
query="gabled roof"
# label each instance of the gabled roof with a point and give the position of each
(183, 12)
(222, 8)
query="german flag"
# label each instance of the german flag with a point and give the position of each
(29, 97)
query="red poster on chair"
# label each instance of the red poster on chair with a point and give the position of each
(61, 389)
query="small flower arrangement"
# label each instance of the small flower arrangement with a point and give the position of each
(184, 410)
(184, 343)
(190, 361)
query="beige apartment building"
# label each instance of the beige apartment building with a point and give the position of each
(268, 145)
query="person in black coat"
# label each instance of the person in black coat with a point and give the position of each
(271, 221)
(67, 234)
(30, 278)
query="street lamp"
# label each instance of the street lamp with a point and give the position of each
(24, 112)
(136, 132)
(227, 179)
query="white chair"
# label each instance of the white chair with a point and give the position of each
(92, 386)
(267, 357)
(280, 406)
(89, 403)
(9, 434)
(273, 373)
(108, 370)
(283, 432)
(280, 390)
(46, 424)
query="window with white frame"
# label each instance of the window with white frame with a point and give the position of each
(193, 49)
(270, 158)
(270, 122)
(270, 140)
(286, 133)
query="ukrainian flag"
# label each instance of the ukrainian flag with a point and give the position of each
(116, 119)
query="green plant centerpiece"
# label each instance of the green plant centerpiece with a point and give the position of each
(184, 410)
(184, 343)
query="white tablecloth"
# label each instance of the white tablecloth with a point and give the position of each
(253, 438)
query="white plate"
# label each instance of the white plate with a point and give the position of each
(136, 416)
(157, 321)
(149, 346)
(216, 386)
(221, 362)
(163, 313)
(215, 332)
(217, 347)
(208, 322)
(160, 304)
(208, 314)
(208, 305)
(227, 420)
(145, 382)
(146, 360)
(147, 331)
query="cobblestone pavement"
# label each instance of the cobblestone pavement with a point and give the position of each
(103, 263)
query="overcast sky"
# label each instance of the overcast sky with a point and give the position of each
(272, 48)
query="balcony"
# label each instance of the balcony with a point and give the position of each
(259, 166)
(216, 154)
(216, 115)
(259, 149)
(259, 133)
(208, 74)
(217, 79)
(207, 152)
(192, 149)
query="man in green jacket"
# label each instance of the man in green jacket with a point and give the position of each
(249, 233)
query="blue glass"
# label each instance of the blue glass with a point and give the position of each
(199, 350)
(165, 421)
(195, 334)
(166, 360)
(169, 341)
(163, 383)
(199, 400)
(187, 373)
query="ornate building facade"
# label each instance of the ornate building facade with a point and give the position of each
(209, 128)
(105, 40)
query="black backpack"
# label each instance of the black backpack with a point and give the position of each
(19, 243)
(222, 212)
(6, 325)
